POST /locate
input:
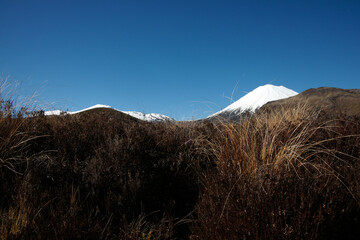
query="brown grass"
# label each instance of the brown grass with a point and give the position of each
(291, 174)
(283, 175)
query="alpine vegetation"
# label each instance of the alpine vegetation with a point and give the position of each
(291, 172)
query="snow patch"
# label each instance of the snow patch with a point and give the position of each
(89, 108)
(149, 116)
(55, 112)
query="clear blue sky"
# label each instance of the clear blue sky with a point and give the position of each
(179, 58)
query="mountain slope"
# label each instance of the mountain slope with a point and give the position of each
(255, 99)
(329, 99)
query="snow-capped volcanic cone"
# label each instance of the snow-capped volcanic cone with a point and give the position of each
(150, 117)
(255, 99)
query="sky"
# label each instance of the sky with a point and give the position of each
(184, 59)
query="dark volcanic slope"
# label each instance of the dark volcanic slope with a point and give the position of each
(333, 100)
(108, 114)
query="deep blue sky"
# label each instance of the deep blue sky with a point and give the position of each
(180, 58)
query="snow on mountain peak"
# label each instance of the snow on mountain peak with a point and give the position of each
(257, 98)
(89, 108)
(150, 117)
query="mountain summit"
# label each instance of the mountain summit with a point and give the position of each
(255, 99)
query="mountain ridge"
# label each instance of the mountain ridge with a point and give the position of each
(263, 98)
(150, 117)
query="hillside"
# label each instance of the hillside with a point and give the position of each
(328, 99)
(149, 117)
(108, 114)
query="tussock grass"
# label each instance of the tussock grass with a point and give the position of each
(14, 137)
(289, 174)
(15, 141)
(282, 175)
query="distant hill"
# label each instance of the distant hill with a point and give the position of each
(329, 99)
(107, 114)
(150, 117)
